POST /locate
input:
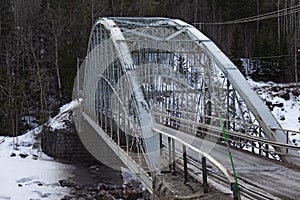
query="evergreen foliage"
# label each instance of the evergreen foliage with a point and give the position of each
(40, 41)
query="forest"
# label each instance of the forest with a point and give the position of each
(41, 40)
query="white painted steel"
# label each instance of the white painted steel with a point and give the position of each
(131, 164)
(229, 177)
(139, 66)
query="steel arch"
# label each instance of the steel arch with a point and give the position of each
(139, 68)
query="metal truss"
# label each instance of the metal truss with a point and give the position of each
(143, 71)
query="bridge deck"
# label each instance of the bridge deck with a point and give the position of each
(137, 66)
(258, 172)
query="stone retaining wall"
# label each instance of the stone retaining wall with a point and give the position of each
(64, 144)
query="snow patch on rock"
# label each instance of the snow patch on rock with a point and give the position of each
(65, 115)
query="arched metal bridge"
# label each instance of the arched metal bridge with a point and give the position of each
(143, 76)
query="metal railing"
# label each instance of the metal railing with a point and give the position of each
(263, 146)
(288, 133)
(185, 147)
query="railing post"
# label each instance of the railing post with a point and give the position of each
(160, 141)
(234, 191)
(267, 150)
(204, 175)
(170, 154)
(287, 141)
(259, 144)
(173, 153)
(184, 163)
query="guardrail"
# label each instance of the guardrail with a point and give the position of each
(288, 133)
(185, 146)
(263, 146)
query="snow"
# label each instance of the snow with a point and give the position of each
(26, 172)
(58, 122)
(289, 114)
(288, 117)
(33, 177)
(30, 121)
(36, 176)
(73, 105)
(254, 84)
(128, 176)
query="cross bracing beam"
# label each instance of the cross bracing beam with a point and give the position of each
(136, 67)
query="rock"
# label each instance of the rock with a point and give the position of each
(78, 187)
(66, 198)
(97, 191)
(275, 89)
(35, 157)
(120, 193)
(103, 193)
(108, 197)
(280, 105)
(116, 193)
(296, 92)
(112, 187)
(270, 105)
(40, 184)
(93, 188)
(46, 195)
(23, 155)
(93, 167)
(100, 186)
(89, 196)
(98, 197)
(134, 184)
(82, 194)
(66, 183)
(104, 186)
(285, 96)
(13, 155)
(25, 144)
(133, 194)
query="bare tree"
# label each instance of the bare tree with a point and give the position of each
(56, 23)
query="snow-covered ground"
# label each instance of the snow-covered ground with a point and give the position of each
(27, 173)
(285, 106)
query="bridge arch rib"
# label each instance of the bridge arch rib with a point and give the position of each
(144, 71)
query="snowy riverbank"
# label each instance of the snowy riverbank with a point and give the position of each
(27, 173)
(284, 102)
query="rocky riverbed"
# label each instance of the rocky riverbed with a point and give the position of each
(99, 182)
